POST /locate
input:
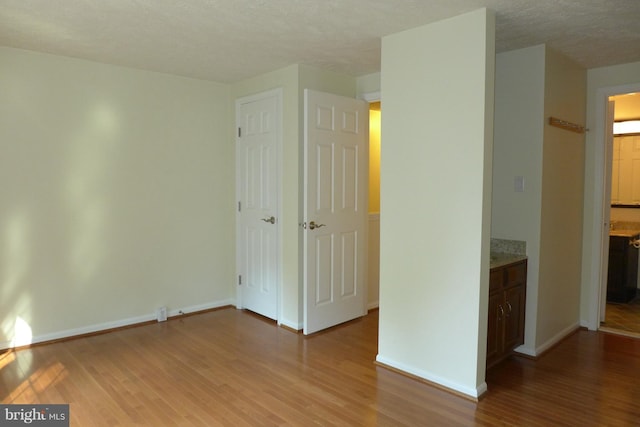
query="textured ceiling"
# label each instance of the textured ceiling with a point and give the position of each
(229, 40)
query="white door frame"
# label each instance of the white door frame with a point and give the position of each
(600, 226)
(278, 93)
(371, 97)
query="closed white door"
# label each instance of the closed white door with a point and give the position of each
(335, 209)
(257, 188)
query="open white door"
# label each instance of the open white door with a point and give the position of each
(335, 209)
(606, 210)
(257, 188)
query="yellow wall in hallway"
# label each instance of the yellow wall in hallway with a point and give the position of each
(374, 158)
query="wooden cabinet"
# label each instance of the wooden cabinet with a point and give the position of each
(622, 277)
(625, 185)
(507, 296)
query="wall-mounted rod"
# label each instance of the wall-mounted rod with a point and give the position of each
(563, 124)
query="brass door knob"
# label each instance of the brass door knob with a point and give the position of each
(313, 225)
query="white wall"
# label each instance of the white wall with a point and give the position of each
(435, 200)
(601, 82)
(117, 195)
(531, 85)
(562, 201)
(368, 84)
(517, 151)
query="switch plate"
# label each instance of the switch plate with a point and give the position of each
(518, 184)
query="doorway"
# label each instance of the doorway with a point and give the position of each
(621, 301)
(373, 273)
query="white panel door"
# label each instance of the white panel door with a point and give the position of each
(257, 186)
(335, 209)
(608, 189)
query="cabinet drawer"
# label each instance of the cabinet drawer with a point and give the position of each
(516, 274)
(496, 278)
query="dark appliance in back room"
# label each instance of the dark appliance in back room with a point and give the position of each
(622, 279)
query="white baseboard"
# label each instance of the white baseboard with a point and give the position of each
(373, 304)
(459, 388)
(585, 324)
(549, 343)
(201, 307)
(527, 351)
(296, 326)
(114, 324)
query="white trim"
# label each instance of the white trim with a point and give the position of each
(117, 323)
(371, 97)
(595, 275)
(200, 307)
(472, 392)
(614, 331)
(296, 326)
(373, 304)
(526, 351)
(550, 343)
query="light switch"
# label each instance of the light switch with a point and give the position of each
(518, 184)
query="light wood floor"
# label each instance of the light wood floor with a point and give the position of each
(623, 317)
(230, 367)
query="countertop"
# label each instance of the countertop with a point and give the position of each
(499, 259)
(624, 228)
(624, 233)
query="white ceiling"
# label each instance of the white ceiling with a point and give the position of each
(229, 40)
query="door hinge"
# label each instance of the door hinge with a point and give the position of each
(239, 132)
(239, 206)
(239, 279)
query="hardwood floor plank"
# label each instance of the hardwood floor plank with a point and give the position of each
(233, 368)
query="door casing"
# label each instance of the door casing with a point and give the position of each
(599, 228)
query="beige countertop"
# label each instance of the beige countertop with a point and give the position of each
(624, 233)
(499, 259)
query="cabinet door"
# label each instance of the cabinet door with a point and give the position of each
(617, 270)
(514, 317)
(634, 164)
(628, 169)
(495, 332)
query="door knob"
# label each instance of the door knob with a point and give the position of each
(313, 225)
(272, 219)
